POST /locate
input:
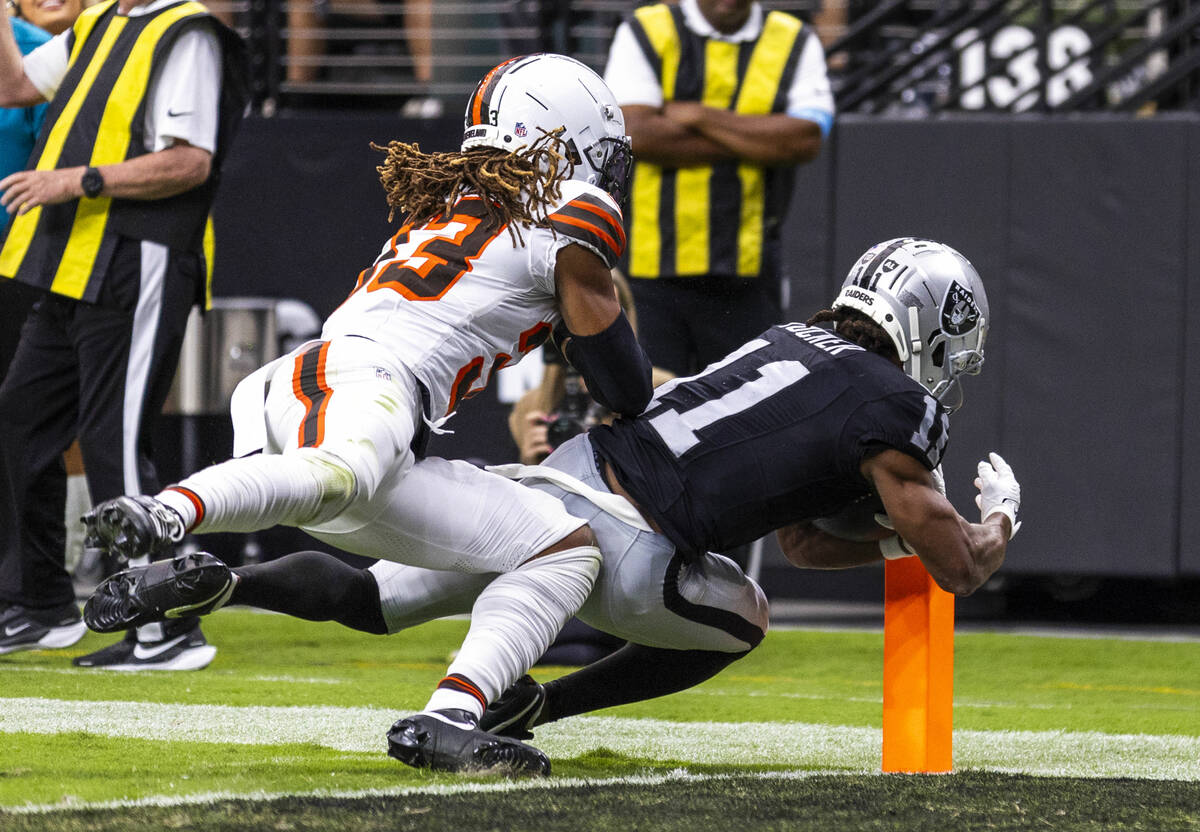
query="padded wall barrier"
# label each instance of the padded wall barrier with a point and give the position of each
(1084, 232)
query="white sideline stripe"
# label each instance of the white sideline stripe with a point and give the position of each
(783, 744)
(465, 786)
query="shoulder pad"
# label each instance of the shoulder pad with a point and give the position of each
(589, 216)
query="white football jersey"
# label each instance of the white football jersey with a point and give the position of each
(457, 298)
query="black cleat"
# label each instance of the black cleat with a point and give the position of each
(188, 585)
(427, 741)
(133, 527)
(516, 711)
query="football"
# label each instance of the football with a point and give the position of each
(855, 522)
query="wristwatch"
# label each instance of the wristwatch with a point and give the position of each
(92, 183)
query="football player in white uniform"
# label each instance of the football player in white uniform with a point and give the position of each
(503, 242)
(830, 433)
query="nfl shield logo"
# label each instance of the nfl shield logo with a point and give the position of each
(520, 129)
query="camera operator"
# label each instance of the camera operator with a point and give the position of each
(565, 410)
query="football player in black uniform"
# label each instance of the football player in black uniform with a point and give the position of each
(829, 433)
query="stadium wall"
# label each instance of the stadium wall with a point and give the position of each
(1082, 227)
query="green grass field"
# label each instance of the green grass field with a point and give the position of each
(285, 730)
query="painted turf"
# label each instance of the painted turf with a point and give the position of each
(828, 748)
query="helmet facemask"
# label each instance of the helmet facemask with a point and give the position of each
(615, 167)
(948, 361)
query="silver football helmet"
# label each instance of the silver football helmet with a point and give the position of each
(522, 97)
(931, 301)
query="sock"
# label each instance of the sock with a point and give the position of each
(300, 488)
(168, 629)
(512, 623)
(457, 692)
(631, 674)
(313, 586)
(182, 503)
(148, 633)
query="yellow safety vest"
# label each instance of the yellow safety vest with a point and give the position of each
(96, 118)
(711, 219)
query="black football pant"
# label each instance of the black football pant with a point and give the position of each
(99, 372)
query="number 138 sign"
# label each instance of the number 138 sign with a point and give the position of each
(1018, 84)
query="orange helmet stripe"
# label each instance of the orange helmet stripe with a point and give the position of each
(484, 91)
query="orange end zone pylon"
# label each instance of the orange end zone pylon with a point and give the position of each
(918, 670)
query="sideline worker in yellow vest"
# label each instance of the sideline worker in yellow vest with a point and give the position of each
(109, 222)
(722, 100)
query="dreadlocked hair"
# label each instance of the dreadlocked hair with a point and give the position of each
(517, 187)
(858, 328)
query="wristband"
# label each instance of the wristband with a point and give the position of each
(894, 548)
(1008, 511)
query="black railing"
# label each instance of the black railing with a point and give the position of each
(1021, 55)
(360, 53)
(900, 57)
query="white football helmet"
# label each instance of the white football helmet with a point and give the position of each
(523, 96)
(931, 301)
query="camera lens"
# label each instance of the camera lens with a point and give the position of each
(562, 428)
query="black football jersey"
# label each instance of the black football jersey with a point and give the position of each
(771, 435)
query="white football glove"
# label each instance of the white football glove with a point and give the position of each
(939, 482)
(999, 491)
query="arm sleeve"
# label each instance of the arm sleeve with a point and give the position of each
(613, 364)
(628, 74)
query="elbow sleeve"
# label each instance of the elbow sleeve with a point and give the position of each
(614, 365)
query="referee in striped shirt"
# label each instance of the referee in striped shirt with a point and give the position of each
(109, 224)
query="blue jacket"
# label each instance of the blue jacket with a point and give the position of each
(19, 126)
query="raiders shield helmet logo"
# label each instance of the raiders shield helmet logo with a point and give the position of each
(960, 313)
